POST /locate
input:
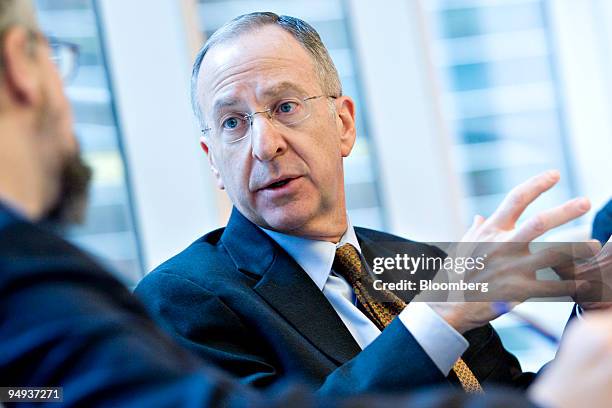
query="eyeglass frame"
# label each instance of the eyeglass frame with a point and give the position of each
(74, 50)
(250, 116)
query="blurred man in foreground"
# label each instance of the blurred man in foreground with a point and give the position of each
(66, 322)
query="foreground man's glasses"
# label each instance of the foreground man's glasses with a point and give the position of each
(65, 55)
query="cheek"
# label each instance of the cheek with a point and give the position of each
(323, 158)
(235, 173)
(61, 110)
(66, 126)
(328, 177)
(56, 123)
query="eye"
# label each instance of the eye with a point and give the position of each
(231, 123)
(287, 107)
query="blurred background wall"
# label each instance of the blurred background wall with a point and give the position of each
(457, 101)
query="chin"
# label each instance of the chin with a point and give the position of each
(285, 223)
(287, 219)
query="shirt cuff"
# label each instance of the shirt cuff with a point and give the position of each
(443, 344)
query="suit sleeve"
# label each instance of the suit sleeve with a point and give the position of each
(203, 323)
(491, 362)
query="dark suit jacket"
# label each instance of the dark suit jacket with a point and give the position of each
(602, 224)
(66, 322)
(234, 297)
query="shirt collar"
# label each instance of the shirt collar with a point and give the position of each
(315, 257)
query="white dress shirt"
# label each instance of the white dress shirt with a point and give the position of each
(443, 344)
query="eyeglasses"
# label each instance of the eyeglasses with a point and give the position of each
(65, 56)
(234, 127)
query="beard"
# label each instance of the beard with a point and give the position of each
(72, 176)
(71, 204)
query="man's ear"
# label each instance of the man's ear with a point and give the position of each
(20, 68)
(346, 121)
(211, 160)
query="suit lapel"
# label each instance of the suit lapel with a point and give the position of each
(288, 289)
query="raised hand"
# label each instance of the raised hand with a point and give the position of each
(511, 266)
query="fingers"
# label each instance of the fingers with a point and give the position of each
(470, 234)
(596, 246)
(545, 221)
(606, 251)
(563, 254)
(520, 197)
(551, 288)
(478, 221)
(593, 294)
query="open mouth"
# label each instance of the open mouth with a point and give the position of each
(280, 183)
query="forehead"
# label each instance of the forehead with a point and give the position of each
(254, 65)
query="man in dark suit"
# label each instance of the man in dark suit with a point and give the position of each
(277, 292)
(64, 321)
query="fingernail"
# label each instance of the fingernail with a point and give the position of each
(583, 204)
(554, 174)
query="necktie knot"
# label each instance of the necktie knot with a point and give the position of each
(347, 264)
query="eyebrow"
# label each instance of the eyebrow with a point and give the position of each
(283, 86)
(224, 103)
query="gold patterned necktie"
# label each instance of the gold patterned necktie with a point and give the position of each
(385, 305)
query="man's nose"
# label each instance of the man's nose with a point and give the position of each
(267, 139)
